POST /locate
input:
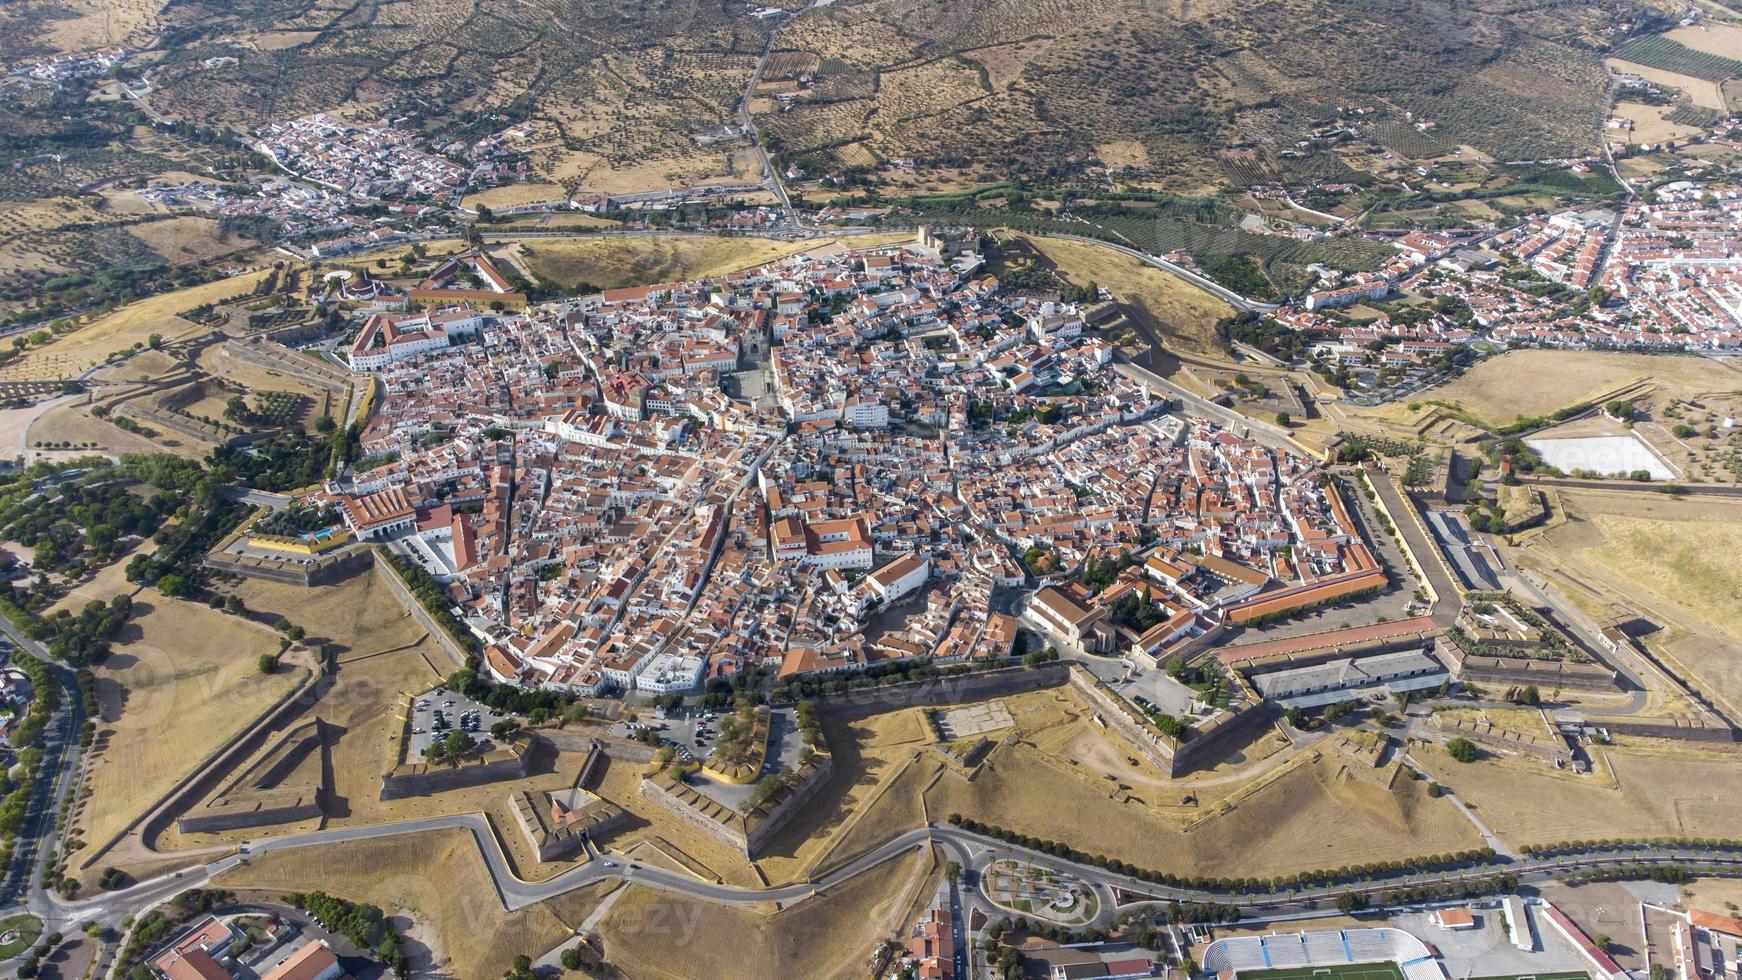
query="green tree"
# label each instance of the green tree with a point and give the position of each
(1463, 750)
(454, 746)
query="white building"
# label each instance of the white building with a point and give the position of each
(899, 577)
(388, 337)
(864, 414)
(670, 674)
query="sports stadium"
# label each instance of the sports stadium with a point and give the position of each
(1330, 954)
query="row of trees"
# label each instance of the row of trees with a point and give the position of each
(1306, 879)
(1622, 845)
(365, 925)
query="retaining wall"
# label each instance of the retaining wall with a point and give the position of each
(424, 779)
(1152, 745)
(822, 767)
(1234, 724)
(940, 691)
(1667, 728)
(443, 639)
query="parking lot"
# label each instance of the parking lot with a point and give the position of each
(689, 730)
(692, 732)
(436, 713)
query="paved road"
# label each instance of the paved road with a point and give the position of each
(770, 179)
(972, 851)
(1421, 546)
(60, 760)
(1257, 429)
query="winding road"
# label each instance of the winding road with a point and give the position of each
(972, 851)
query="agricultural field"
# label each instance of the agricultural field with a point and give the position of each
(653, 934)
(1652, 123)
(436, 878)
(1668, 54)
(1404, 139)
(182, 678)
(1710, 37)
(1172, 91)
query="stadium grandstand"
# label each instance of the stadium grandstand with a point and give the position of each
(1328, 953)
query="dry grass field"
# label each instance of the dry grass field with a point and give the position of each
(213, 361)
(355, 618)
(182, 679)
(1677, 561)
(509, 195)
(1535, 382)
(620, 783)
(380, 653)
(187, 238)
(1724, 40)
(1004, 64)
(1054, 778)
(654, 934)
(109, 582)
(1723, 895)
(436, 878)
(1651, 125)
(1310, 815)
(73, 352)
(613, 262)
(1183, 313)
(877, 758)
(1634, 791)
(73, 423)
(1702, 92)
(91, 25)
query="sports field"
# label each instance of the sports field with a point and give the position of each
(1355, 971)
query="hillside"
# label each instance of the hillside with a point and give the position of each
(1196, 94)
(1171, 88)
(605, 87)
